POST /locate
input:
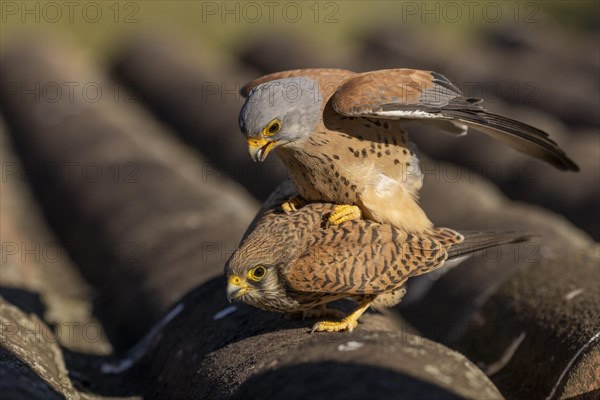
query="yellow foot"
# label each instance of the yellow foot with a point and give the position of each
(293, 204)
(343, 213)
(348, 323)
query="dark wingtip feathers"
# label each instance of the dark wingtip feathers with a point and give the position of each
(445, 82)
(525, 138)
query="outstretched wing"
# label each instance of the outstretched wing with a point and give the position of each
(328, 75)
(429, 96)
(362, 257)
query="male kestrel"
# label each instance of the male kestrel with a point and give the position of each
(298, 262)
(340, 135)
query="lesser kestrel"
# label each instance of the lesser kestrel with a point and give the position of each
(298, 262)
(340, 135)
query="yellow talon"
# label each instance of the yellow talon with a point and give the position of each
(331, 326)
(348, 323)
(343, 213)
(293, 204)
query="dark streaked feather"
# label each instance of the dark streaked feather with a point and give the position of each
(441, 80)
(518, 135)
(477, 241)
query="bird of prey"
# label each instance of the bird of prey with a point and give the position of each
(298, 262)
(340, 135)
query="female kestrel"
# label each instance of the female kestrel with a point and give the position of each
(298, 262)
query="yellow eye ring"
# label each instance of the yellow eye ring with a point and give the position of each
(273, 127)
(257, 273)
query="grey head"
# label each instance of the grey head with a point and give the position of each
(279, 112)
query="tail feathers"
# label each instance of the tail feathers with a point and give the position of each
(446, 236)
(522, 137)
(477, 241)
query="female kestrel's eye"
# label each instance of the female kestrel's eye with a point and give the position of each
(257, 273)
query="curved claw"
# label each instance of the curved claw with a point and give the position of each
(330, 326)
(293, 204)
(348, 323)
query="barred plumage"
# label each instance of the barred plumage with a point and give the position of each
(309, 262)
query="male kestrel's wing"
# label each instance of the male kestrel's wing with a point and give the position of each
(329, 78)
(362, 257)
(429, 96)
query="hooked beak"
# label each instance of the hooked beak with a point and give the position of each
(235, 288)
(259, 149)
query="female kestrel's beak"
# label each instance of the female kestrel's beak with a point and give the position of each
(236, 287)
(259, 149)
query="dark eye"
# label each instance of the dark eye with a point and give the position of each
(257, 273)
(273, 127)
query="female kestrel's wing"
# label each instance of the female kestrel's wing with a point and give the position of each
(362, 257)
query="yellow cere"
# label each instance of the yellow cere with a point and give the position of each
(235, 280)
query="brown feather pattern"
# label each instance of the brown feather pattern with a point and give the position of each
(314, 263)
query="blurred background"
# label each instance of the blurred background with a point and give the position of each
(121, 153)
(535, 61)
